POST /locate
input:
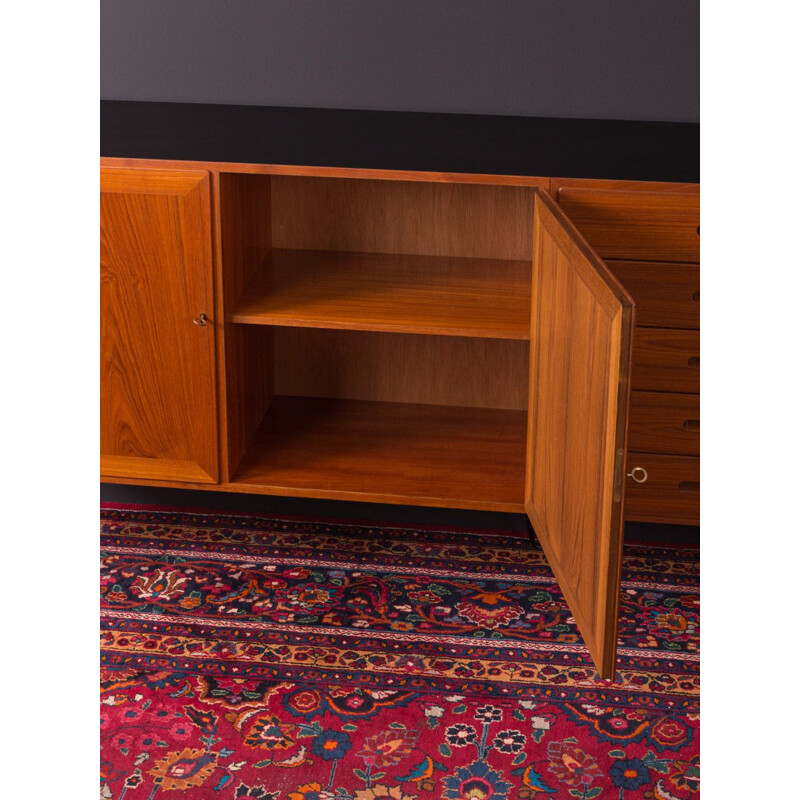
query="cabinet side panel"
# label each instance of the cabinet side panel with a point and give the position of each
(245, 235)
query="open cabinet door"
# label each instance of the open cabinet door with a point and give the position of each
(581, 330)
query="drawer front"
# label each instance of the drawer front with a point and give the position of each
(666, 360)
(671, 492)
(664, 423)
(666, 295)
(646, 226)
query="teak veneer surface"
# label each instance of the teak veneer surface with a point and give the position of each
(389, 452)
(671, 492)
(636, 225)
(386, 292)
(666, 360)
(667, 295)
(664, 423)
(581, 326)
(307, 171)
(158, 406)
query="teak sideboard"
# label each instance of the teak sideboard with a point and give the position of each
(453, 338)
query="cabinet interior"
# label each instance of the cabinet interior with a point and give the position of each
(376, 338)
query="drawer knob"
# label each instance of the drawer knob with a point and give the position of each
(639, 474)
(201, 320)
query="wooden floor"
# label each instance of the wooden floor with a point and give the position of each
(389, 452)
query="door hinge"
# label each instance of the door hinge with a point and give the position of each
(618, 462)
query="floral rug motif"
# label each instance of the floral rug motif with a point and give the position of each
(287, 659)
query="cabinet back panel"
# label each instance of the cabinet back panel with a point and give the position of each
(248, 364)
(402, 368)
(371, 216)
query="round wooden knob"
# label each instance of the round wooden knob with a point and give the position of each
(639, 474)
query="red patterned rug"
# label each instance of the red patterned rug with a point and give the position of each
(298, 659)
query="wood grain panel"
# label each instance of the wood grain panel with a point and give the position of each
(613, 185)
(439, 370)
(671, 492)
(390, 292)
(650, 227)
(245, 229)
(388, 452)
(414, 218)
(157, 469)
(245, 239)
(358, 173)
(636, 225)
(666, 360)
(666, 295)
(250, 358)
(664, 423)
(580, 358)
(158, 412)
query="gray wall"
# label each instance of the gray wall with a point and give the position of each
(611, 59)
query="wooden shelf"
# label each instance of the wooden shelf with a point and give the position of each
(388, 452)
(488, 298)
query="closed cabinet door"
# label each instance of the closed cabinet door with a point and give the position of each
(158, 413)
(581, 331)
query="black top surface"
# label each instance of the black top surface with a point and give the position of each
(497, 145)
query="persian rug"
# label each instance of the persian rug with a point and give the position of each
(301, 659)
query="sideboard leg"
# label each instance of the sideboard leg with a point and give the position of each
(531, 532)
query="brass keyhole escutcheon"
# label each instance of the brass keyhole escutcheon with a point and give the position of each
(639, 474)
(201, 320)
